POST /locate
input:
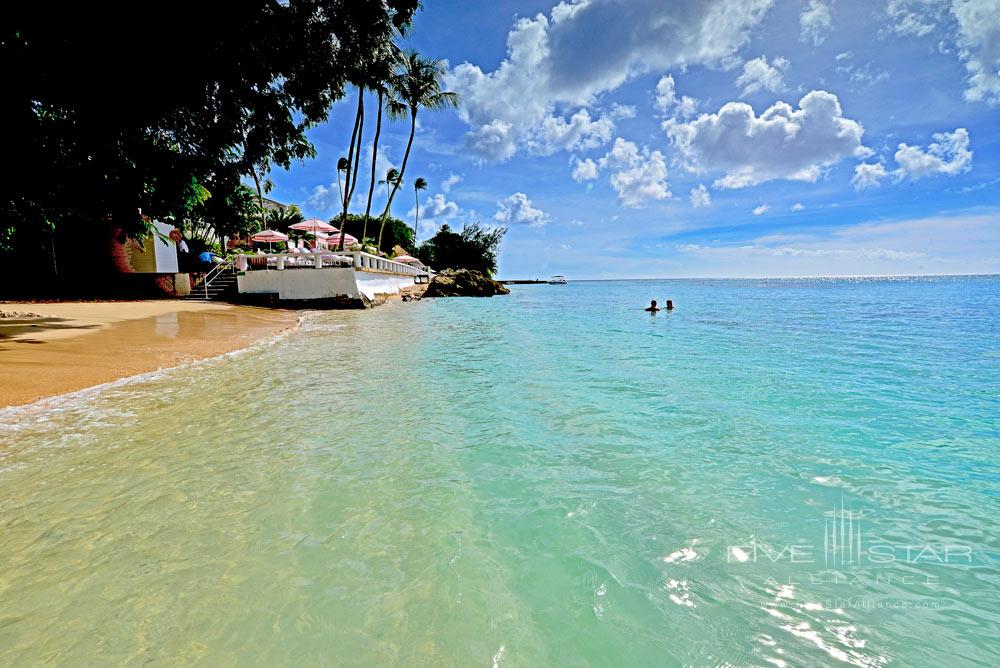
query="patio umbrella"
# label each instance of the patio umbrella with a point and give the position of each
(314, 225)
(269, 237)
(332, 240)
(405, 258)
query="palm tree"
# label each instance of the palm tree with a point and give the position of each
(379, 74)
(418, 85)
(418, 185)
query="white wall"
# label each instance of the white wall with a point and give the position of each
(166, 251)
(371, 284)
(309, 283)
(301, 283)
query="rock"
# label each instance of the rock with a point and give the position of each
(464, 283)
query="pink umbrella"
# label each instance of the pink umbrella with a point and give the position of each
(314, 225)
(269, 237)
(405, 258)
(333, 240)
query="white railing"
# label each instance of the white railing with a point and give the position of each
(213, 274)
(359, 260)
(368, 262)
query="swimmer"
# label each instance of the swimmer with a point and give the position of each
(652, 307)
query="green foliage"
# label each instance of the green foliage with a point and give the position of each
(116, 117)
(396, 231)
(475, 248)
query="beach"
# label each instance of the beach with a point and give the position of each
(47, 349)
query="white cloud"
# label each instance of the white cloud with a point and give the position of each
(948, 154)
(762, 209)
(979, 46)
(450, 182)
(552, 63)
(700, 196)
(638, 176)
(816, 20)
(584, 170)
(518, 210)
(976, 29)
(781, 143)
(666, 94)
(434, 212)
(798, 206)
(914, 18)
(939, 244)
(622, 111)
(667, 101)
(577, 133)
(758, 75)
(868, 175)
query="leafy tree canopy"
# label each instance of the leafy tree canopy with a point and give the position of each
(111, 112)
(396, 232)
(475, 248)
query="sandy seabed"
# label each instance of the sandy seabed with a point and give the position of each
(47, 349)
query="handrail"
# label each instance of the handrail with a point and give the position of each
(214, 273)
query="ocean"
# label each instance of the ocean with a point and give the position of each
(778, 472)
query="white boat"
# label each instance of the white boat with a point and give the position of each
(557, 280)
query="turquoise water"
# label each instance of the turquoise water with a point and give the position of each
(550, 478)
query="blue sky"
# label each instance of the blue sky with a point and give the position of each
(642, 138)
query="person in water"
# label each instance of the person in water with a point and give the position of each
(653, 308)
(670, 305)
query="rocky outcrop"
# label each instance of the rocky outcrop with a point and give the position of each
(464, 283)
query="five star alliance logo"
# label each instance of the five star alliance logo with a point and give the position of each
(842, 543)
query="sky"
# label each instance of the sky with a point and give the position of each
(732, 138)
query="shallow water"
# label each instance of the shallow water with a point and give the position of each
(550, 478)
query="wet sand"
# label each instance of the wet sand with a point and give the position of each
(67, 346)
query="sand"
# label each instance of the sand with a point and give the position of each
(48, 349)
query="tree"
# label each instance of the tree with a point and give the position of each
(168, 118)
(397, 232)
(418, 185)
(475, 248)
(379, 74)
(416, 86)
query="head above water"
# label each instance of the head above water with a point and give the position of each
(652, 303)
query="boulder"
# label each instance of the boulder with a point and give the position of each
(464, 283)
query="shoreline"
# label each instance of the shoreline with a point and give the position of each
(49, 349)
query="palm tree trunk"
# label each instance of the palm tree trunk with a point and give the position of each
(260, 196)
(348, 190)
(416, 218)
(402, 170)
(371, 186)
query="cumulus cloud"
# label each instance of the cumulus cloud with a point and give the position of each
(868, 175)
(666, 100)
(781, 143)
(518, 210)
(579, 132)
(700, 196)
(637, 175)
(948, 154)
(450, 182)
(758, 75)
(584, 170)
(762, 209)
(914, 18)
(798, 206)
(552, 65)
(816, 20)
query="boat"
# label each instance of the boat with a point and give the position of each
(557, 280)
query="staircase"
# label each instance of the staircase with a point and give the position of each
(219, 285)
